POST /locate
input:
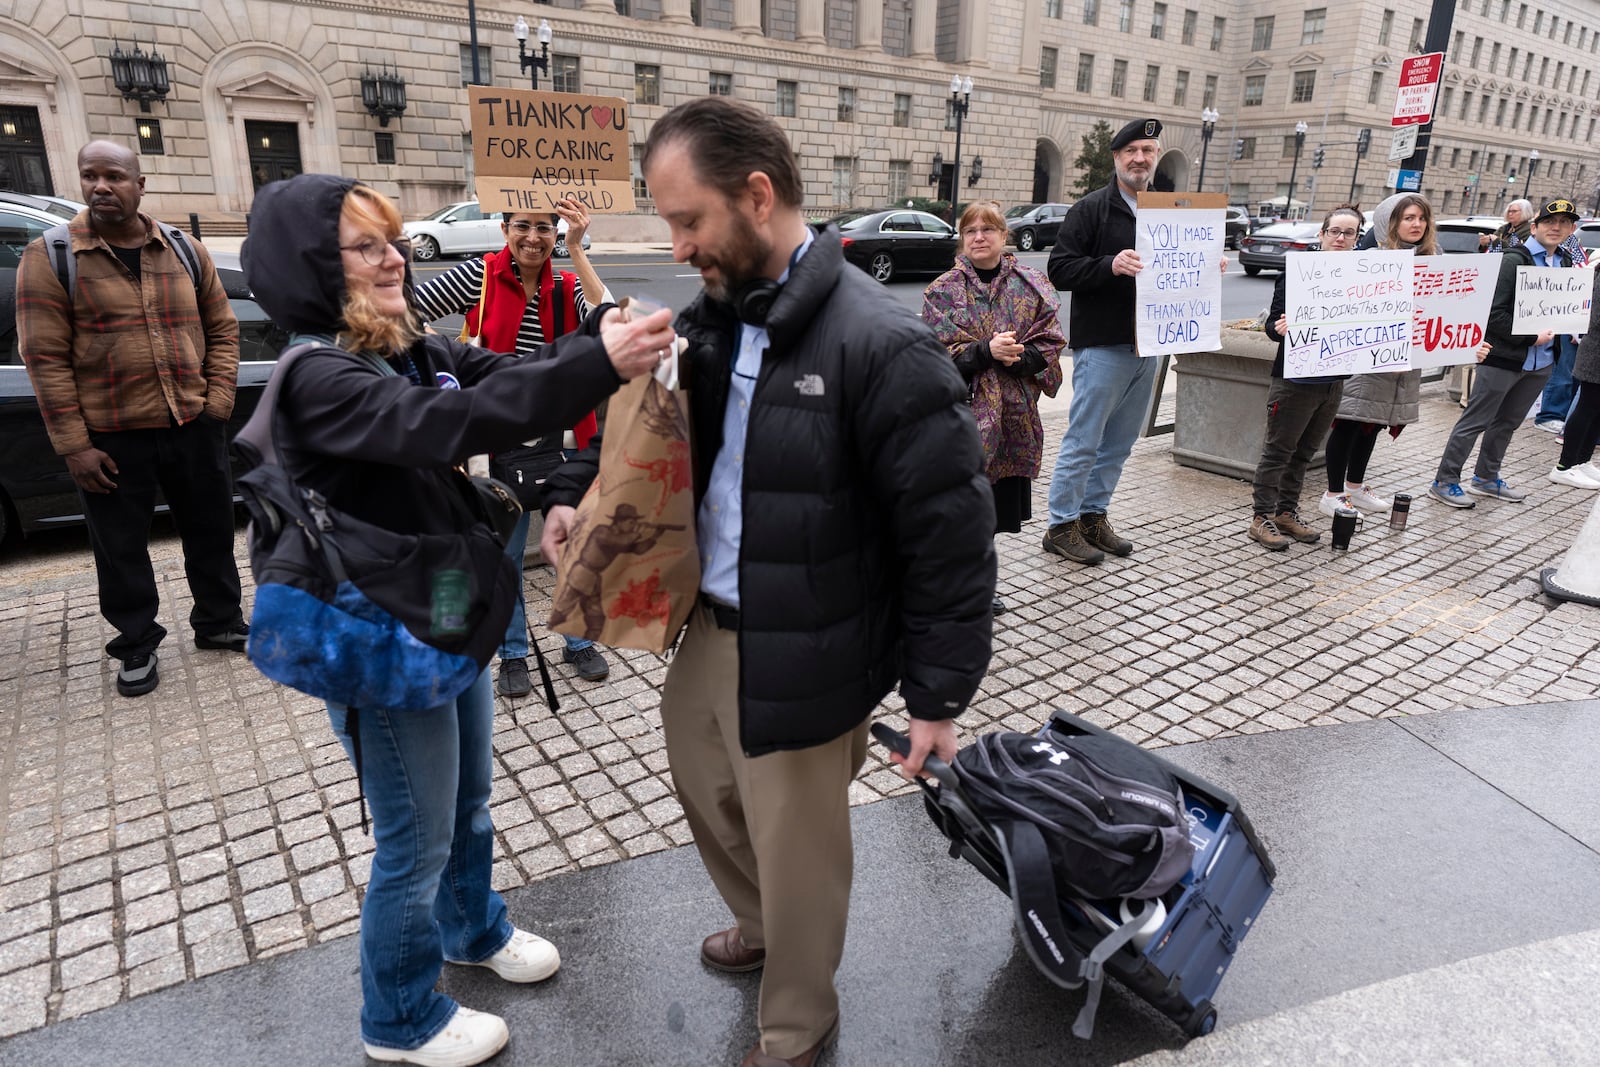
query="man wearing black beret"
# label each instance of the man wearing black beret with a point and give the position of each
(1094, 259)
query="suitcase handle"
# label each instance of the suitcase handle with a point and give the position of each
(895, 741)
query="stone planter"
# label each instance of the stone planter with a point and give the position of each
(1222, 405)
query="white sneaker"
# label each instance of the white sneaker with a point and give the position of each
(525, 958)
(469, 1037)
(1575, 477)
(1555, 426)
(1332, 502)
(1364, 498)
(1588, 470)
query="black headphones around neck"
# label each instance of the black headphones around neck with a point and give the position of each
(753, 302)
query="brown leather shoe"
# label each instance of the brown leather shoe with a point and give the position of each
(811, 1057)
(725, 950)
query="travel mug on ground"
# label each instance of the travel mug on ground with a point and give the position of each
(1344, 526)
(1401, 511)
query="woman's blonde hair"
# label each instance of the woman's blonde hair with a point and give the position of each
(1429, 245)
(366, 329)
(981, 211)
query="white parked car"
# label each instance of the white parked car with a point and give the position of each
(463, 230)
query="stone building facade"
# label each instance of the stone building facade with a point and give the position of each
(264, 88)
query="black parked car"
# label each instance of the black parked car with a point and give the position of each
(36, 492)
(886, 244)
(1034, 225)
(1237, 226)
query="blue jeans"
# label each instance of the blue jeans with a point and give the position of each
(515, 643)
(426, 775)
(1110, 391)
(1562, 389)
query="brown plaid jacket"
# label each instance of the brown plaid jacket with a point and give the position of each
(125, 355)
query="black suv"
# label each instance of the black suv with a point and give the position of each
(1033, 226)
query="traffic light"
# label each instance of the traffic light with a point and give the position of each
(1238, 148)
(1318, 156)
(1363, 142)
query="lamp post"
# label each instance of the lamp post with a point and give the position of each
(540, 62)
(1208, 126)
(960, 98)
(1533, 162)
(138, 76)
(1300, 129)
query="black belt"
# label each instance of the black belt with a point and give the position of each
(725, 615)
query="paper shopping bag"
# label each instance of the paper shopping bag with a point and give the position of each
(630, 570)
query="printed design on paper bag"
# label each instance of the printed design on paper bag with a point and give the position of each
(596, 548)
(667, 421)
(643, 601)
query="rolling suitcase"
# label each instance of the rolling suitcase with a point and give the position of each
(1174, 956)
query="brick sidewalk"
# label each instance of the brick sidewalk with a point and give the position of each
(213, 823)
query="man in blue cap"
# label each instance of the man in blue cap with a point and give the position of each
(1094, 259)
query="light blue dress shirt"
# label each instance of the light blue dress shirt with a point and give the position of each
(1540, 356)
(720, 522)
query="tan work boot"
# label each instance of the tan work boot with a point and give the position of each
(1066, 539)
(1288, 522)
(1264, 532)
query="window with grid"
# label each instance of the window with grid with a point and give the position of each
(1522, 15)
(624, 7)
(1313, 24)
(902, 109)
(1305, 86)
(1180, 89)
(1494, 58)
(1477, 52)
(1191, 19)
(641, 191)
(485, 67)
(1538, 22)
(1288, 146)
(1210, 97)
(1416, 34)
(787, 92)
(1375, 87)
(1218, 25)
(1385, 26)
(1085, 72)
(1047, 68)
(1247, 148)
(564, 74)
(949, 114)
(719, 84)
(1052, 9)
(382, 145)
(899, 179)
(1466, 105)
(1125, 17)
(1091, 12)
(1119, 77)
(1158, 22)
(844, 179)
(646, 83)
(1261, 33)
(1483, 110)
(1255, 90)
(1455, 158)
(847, 104)
(151, 144)
(1152, 76)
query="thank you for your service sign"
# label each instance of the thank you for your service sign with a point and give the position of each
(531, 149)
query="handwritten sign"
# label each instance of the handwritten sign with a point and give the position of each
(1553, 298)
(1178, 302)
(1348, 312)
(1451, 296)
(531, 149)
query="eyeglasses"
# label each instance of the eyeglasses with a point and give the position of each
(974, 231)
(1346, 234)
(522, 227)
(374, 252)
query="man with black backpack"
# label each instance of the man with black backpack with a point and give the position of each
(133, 351)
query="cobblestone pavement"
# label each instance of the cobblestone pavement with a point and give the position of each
(150, 841)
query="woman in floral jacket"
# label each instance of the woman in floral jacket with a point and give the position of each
(1000, 321)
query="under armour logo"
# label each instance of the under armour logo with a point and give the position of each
(810, 385)
(1057, 757)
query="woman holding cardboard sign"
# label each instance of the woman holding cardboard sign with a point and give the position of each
(515, 301)
(1373, 401)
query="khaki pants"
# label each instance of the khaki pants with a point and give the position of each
(773, 832)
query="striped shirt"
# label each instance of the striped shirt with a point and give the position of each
(456, 292)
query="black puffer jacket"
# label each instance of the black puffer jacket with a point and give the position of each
(1094, 231)
(867, 553)
(1509, 351)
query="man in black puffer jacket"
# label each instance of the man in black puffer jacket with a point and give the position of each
(844, 525)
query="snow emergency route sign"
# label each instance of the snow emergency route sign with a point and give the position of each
(1419, 83)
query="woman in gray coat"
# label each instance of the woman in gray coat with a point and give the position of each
(1373, 401)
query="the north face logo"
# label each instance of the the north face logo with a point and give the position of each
(810, 385)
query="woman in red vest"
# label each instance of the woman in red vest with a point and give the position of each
(515, 301)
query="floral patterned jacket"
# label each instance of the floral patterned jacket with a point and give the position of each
(965, 311)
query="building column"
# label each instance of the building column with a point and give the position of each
(600, 5)
(747, 17)
(924, 20)
(676, 12)
(869, 25)
(972, 33)
(809, 22)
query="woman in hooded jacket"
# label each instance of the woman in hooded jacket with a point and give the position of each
(1374, 401)
(326, 259)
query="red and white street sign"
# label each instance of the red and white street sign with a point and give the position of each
(1419, 84)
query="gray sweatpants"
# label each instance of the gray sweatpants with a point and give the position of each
(1500, 401)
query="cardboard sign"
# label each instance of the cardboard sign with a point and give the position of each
(531, 149)
(1452, 296)
(1348, 312)
(1178, 302)
(1553, 298)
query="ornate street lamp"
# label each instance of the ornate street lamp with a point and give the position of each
(960, 98)
(936, 169)
(1533, 163)
(138, 76)
(976, 174)
(383, 94)
(1300, 129)
(1208, 126)
(540, 62)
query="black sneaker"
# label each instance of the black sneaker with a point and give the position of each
(513, 680)
(1066, 539)
(232, 639)
(138, 675)
(999, 606)
(590, 662)
(1098, 532)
